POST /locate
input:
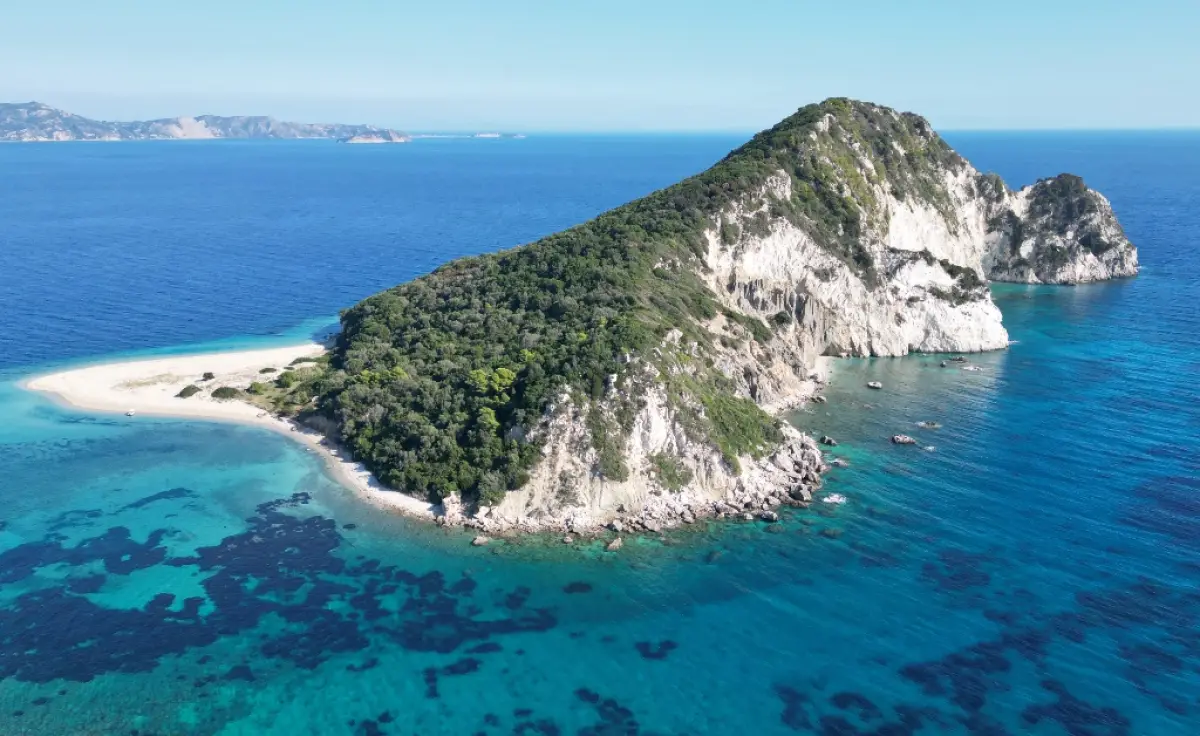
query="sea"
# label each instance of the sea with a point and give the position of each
(1030, 567)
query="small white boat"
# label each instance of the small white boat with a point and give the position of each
(130, 413)
(874, 384)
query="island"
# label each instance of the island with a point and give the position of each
(37, 122)
(387, 136)
(630, 372)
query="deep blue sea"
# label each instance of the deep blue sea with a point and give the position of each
(1038, 571)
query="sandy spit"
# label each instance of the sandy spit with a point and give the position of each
(150, 387)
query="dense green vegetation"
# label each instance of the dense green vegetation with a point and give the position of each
(226, 392)
(438, 382)
(188, 391)
(1064, 201)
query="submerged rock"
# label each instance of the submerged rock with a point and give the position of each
(480, 541)
(614, 545)
(827, 440)
(839, 462)
(903, 439)
(929, 425)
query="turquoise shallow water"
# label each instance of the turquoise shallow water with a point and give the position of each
(1036, 572)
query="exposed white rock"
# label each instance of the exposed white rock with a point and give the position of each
(835, 309)
(565, 493)
(1060, 232)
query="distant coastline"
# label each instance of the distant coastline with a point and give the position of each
(35, 122)
(151, 387)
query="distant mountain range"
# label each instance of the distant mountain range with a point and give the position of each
(33, 121)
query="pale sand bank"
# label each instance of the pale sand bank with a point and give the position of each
(149, 387)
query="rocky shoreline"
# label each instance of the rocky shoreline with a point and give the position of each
(788, 477)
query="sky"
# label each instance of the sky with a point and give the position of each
(616, 65)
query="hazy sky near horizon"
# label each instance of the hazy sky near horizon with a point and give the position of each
(621, 65)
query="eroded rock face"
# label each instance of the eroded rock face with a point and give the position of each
(565, 493)
(1058, 231)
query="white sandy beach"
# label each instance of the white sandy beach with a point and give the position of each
(150, 387)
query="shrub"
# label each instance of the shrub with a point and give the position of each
(208, 376)
(258, 388)
(189, 390)
(267, 370)
(287, 379)
(670, 471)
(226, 392)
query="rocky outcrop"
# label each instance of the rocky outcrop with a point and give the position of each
(1058, 231)
(566, 493)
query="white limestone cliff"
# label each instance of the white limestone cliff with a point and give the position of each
(1058, 231)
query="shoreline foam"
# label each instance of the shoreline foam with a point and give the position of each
(149, 386)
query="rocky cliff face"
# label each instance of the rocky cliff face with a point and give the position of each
(1057, 231)
(674, 478)
(932, 231)
(847, 229)
(33, 121)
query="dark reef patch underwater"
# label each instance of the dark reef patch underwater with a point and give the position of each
(1038, 572)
